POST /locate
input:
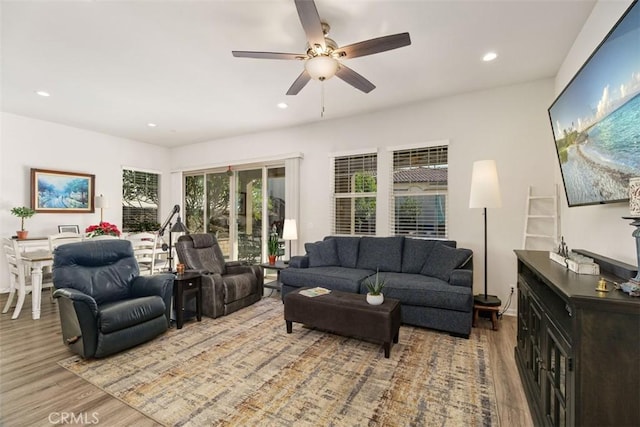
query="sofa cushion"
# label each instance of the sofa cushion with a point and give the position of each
(443, 260)
(416, 251)
(322, 254)
(348, 248)
(334, 278)
(115, 316)
(424, 291)
(381, 253)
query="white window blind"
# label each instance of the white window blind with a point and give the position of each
(140, 198)
(419, 198)
(354, 187)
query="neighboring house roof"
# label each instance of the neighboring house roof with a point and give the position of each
(420, 175)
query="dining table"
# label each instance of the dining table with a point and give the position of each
(36, 255)
(36, 260)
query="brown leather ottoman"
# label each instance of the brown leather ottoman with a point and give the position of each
(345, 314)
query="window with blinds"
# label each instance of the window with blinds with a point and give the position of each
(419, 197)
(140, 199)
(354, 188)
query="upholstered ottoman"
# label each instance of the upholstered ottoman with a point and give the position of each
(345, 314)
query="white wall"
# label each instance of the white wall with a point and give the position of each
(508, 124)
(599, 229)
(27, 143)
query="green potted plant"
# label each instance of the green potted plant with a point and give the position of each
(22, 212)
(273, 247)
(375, 296)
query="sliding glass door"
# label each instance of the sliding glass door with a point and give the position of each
(257, 208)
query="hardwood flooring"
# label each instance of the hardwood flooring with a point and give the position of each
(36, 391)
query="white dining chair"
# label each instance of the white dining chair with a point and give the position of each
(65, 237)
(143, 249)
(19, 277)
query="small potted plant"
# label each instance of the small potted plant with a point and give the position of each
(375, 296)
(22, 212)
(273, 247)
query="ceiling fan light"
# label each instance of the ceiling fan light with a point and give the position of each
(321, 67)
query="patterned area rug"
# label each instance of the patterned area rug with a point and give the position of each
(244, 369)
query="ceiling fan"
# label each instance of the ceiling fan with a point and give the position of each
(322, 59)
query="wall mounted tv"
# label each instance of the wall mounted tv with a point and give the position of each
(596, 119)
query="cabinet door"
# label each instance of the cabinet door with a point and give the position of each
(557, 391)
(523, 319)
(536, 335)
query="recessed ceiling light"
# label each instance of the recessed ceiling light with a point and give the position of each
(152, 125)
(490, 56)
(43, 93)
(282, 105)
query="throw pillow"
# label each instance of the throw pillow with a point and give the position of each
(415, 254)
(443, 260)
(381, 253)
(322, 254)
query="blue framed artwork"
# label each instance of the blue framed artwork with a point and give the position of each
(62, 192)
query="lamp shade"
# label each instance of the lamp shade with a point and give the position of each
(485, 188)
(179, 227)
(290, 230)
(321, 67)
(101, 202)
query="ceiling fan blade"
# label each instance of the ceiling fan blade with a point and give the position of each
(355, 79)
(267, 55)
(310, 20)
(300, 82)
(369, 47)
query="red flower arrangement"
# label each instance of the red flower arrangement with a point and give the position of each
(104, 228)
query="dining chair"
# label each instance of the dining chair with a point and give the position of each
(160, 256)
(143, 250)
(65, 237)
(19, 277)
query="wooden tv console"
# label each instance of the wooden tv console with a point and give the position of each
(578, 350)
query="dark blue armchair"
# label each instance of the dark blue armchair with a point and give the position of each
(105, 305)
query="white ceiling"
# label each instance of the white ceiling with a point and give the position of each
(114, 66)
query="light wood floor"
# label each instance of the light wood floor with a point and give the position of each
(35, 391)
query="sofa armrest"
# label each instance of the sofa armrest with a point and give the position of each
(77, 296)
(78, 320)
(238, 268)
(157, 284)
(300, 261)
(461, 277)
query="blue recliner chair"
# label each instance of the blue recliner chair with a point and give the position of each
(105, 305)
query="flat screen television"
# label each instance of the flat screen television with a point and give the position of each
(596, 119)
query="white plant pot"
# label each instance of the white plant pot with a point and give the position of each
(375, 299)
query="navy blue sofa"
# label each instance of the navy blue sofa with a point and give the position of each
(432, 278)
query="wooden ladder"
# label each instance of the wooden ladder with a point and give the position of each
(541, 221)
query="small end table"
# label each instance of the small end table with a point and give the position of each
(183, 284)
(278, 266)
(493, 310)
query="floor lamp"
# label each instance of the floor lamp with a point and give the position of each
(485, 193)
(178, 227)
(290, 232)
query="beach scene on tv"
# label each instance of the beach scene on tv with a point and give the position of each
(596, 120)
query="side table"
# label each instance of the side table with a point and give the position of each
(183, 284)
(278, 266)
(493, 310)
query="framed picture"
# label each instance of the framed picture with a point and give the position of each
(68, 229)
(62, 192)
